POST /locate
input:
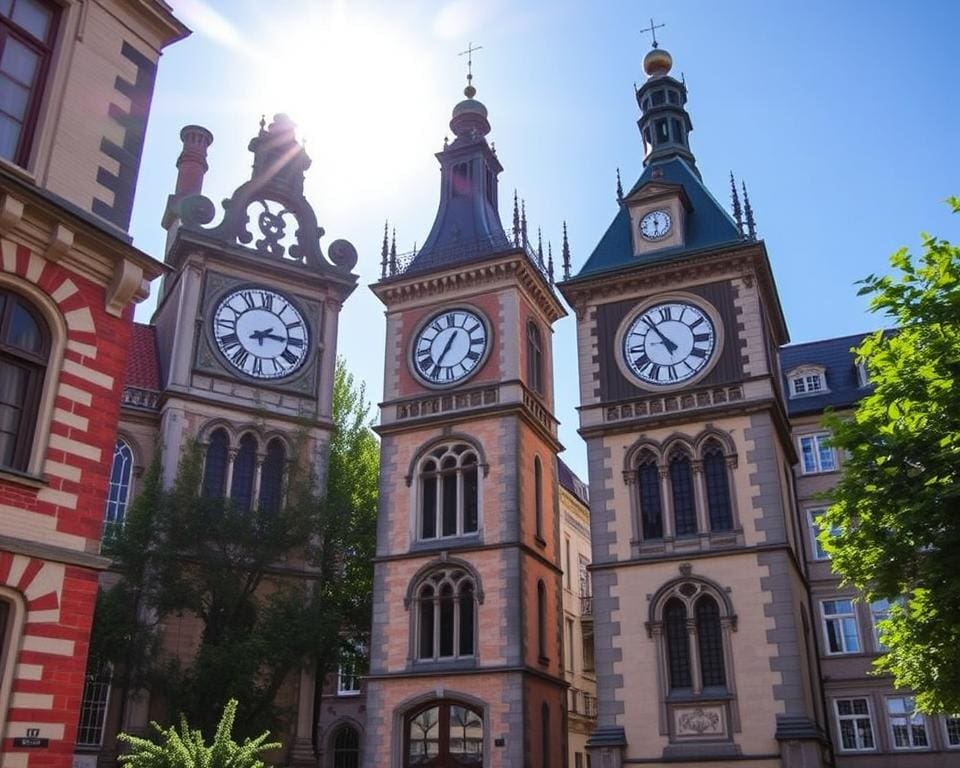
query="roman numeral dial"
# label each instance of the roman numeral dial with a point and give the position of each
(449, 347)
(669, 343)
(260, 333)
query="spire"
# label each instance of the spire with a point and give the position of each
(384, 250)
(393, 252)
(664, 123)
(539, 247)
(619, 189)
(516, 220)
(523, 224)
(748, 210)
(566, 253)
(550, 261)
(737, 212)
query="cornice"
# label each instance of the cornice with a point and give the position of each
(395, 292)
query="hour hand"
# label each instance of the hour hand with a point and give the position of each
(446, 347)
(671, 346)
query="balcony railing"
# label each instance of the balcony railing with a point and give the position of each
(586, 606)
(581, 703)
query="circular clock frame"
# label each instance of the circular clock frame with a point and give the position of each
(252, 339)
(421, 327)
(649, 214)
(646, 305)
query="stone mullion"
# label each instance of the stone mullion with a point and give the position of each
(257, 479)
(700, 498)
(666, 502)
(228, 484)
(695, 676)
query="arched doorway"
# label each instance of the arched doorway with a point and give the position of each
(346, 747)
(443, 734)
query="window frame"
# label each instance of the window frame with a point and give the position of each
(910, 717)
(458, 578)
(819, 554)
(348, 670)
(122, 503)
(437, 454)
(850, 615)
(818, 469)
(838, 718)
(444, 707)
(102, 677)
(945, 728)
(45, 50)
(535, 377)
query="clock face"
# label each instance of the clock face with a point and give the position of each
(261, 333)
(669, 343)
(656, 225)
(449, 347)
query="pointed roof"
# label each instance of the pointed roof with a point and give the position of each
(707, 225)
(143, 365)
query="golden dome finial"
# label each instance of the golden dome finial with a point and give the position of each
(657, 62)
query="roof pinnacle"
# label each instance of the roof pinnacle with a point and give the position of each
(619, 189)
(470, 91)
(566, 253)
(748, 210)
(735, 198)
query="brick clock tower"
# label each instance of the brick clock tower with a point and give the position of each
(703, 631)
(466, 662)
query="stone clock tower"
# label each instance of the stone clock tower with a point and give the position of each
(703, 633)
(466, 662)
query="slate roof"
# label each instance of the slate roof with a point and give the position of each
(841, 373)
(569, 480)
(143, 365)
(707, 226)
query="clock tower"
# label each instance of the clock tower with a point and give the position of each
(704, 645)
(465, 657)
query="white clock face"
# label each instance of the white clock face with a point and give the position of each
(656, 225)
(669, 343)
(450, 346)
(261, 333)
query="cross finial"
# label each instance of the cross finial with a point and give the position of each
(469, 54)
(652, 29)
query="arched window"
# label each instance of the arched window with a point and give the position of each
(541, 619)
(24, 349)
(271, 476)
(446, 615)
(534, 358)
(648, 481)
(244, 467)
(449, 491)
(538, 494)
(443, 733)
(678, 644)
(346, 747)
(681, 485)
(118, 492)
(718, 488)
(215, 465)
(710, 642)
(545, 733)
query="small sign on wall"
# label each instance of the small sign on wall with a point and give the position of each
(32, 740)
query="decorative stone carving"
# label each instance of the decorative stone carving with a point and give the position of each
(699, 722)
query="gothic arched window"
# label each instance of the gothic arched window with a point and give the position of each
(718, 487)
(215, 465)
(446, 615)
(24, 349)
(271, 476)
(678, 644)
(542, 619)
(538, 495)
(648, 482)
(118, 491)
(710, 642)
(681, 485)
(244, 469)
(346, 747)
(449, 492)
(443, 733)
(534, 358)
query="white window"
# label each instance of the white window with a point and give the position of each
(880, 611)
(808, 384)
(352, 666)
(818, 551)
(908, 728)
(854, 725)
(951, 730)
(863, 375)
(816, 454)
(118, 491)
(840, 626)
(93, 707)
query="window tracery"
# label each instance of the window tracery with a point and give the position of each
(249, 473)
(446, 605)
(449, 503)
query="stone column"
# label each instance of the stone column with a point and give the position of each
(302, 754)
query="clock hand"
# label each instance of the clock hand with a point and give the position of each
(273, 336)
(671, 346)
(446, 347)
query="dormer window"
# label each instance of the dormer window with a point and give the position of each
(863, 375)
(807, 380)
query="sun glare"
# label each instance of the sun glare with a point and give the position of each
(360, 88)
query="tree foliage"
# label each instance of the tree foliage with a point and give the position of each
(271, 591)
(896, 511)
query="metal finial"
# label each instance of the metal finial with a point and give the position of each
(263, 121)
(619, 189)
(523, 224)
(516, 220)
(384, 250)
(748, 210)
(652, 29)
(393, 252)
(539, 246)
(735, 198)
(566, 254)
(550, 261)
(470, 91)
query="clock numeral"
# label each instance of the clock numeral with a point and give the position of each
(641, 362)
(267, 299)
(471, 355)
(292, 342)
(636, 348)
(294, 324)
(435, 373)
(665, 314)
(448, 373)
(224, 322)
(451, 320)
(471, 329)
(695, 323)
(655, 371)
(239, 358)
(425, 362)
(701, 337)
(229, 340)
(289, 356)
(671, 373)
(247, 297)
(436, 326)
(697, 352)
(257, 366)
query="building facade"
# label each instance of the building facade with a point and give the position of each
(77, 81)
(466, 664)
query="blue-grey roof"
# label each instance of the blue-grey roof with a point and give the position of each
(706, 226)
(840, 366)
(569, 480)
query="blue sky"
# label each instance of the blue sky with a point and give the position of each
(842, 117)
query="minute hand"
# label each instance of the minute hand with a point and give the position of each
(671, 346)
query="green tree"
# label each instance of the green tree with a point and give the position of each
(272, 590)
(895, 511)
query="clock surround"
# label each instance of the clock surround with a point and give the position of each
(449, 346)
